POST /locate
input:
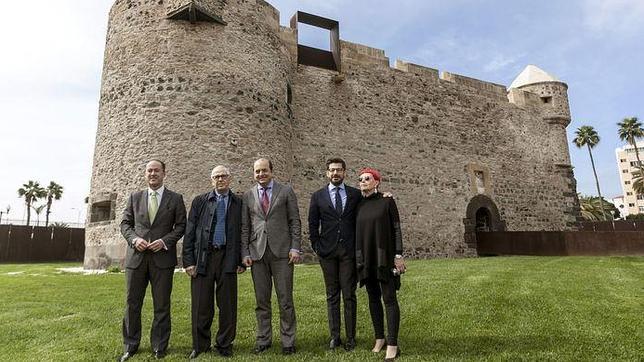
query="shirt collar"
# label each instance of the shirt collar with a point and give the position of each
(159, 191)
(332, 187)
(270, 186)
(214, 194)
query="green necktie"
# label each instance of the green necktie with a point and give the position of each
(153, 207)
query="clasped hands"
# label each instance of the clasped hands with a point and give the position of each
(142, 245)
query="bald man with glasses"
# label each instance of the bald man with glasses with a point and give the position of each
(212, 258)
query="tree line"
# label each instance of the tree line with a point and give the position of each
(32, 192)
(630, 130)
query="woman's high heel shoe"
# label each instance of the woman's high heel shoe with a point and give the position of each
(376, 348)
(396, 356)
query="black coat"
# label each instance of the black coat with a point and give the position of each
(378, 238)
(199, 232)
(327, 229)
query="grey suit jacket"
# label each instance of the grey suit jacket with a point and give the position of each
(281, 228)
(169, 226)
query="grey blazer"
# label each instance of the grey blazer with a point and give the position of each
(169, 225)
(281, 228)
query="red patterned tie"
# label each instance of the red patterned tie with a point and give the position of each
(265, 201)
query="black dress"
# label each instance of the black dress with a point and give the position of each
(378, 238)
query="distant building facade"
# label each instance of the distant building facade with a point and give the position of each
(202, 83)
(618, 201)
(626, 164)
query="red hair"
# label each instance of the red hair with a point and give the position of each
(372, 171)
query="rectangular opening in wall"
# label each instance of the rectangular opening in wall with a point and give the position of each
(318, 41)
(314, 37)
(101, 211)
(546, 100)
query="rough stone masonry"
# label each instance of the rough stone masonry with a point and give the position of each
(202, 83)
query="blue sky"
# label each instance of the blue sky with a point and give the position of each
(50, 71)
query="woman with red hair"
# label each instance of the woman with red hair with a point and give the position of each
(379, 259)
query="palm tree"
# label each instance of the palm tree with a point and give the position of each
(587, 136)
(31, 191)
(630, 129)
(38, 210)
(591, 208)
(638, 181)
(54, 192)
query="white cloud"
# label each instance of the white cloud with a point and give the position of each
(614, 16)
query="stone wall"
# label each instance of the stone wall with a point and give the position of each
(202, 94)
(193, 95)
(427, 135)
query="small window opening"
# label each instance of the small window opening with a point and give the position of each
(546, 100)
(101, 211)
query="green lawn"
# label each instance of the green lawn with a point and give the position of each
(503, 308)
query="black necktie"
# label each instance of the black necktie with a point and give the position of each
(338, 201)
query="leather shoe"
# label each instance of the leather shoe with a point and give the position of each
(194, 354)
(335, 343)
(288, 350)
(159, 354)
(126, 356)
(225, 351)
(350, 345)
(261, 348)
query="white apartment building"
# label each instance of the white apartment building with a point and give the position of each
(626, 163)
(618, 201)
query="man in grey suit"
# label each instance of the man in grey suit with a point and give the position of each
(271, 238)
(153, 221)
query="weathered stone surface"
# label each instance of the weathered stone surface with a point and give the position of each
(198, 95)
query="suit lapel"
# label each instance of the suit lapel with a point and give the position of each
(258, 205)
(144, 205)
(276, 190)
(327, 198)
(163, 205)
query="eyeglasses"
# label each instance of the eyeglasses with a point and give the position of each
(332, 170)
(222, 177)
(364, 179)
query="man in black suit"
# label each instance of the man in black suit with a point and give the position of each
(332, 223)
(212, 257)
(153, 221)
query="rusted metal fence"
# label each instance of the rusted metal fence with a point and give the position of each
(26, 244)
(618, 225)
(560, 243)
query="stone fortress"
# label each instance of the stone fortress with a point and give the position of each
(199, 83)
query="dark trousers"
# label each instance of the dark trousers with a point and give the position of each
(204, 288)
(266, 271)
(339, 270)
(137, 282)
(379, 292)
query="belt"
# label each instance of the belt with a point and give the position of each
(213, 247)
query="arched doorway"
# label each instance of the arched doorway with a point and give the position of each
(481, 215)
(483, 222)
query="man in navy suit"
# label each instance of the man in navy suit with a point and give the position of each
(332, 223)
